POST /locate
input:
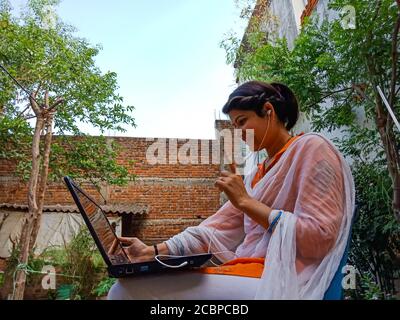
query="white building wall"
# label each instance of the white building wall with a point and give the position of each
(322, 11)
(286, 21)
(56, 229)
(289, 13)
(298, 8)
(288, 24)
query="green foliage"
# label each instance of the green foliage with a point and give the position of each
(12, 262)
(88, 157)
(334, 72)
(104, 286)
(65, 292)
(371, 289)
(64, 64)
(375, 232)
(231, 45)
(14, 137)
(326, 60)
(34, 266)
(83, 266)
(51, 57)
(55, 256)
(81, 272)
(45, 56)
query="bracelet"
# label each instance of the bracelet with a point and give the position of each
(155, 250)
(274, 222)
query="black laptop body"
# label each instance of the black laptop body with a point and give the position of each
(118, 263)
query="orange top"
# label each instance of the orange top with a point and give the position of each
(244, 267)
(262, 169)
(250, 267)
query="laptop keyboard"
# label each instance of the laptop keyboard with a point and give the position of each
(118, 259)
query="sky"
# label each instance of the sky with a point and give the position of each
(167, 56)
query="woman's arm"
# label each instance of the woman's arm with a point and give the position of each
(235, 190)
(149, 251)
(257, 211)
(222, 231)
(137, 251)
(319, 208)
(319, 199)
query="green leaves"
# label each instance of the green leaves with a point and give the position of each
(88, 157)
(329, 65)
(63, 64)
(104, 286)
(65, 292)
(334, 72)
(15, 138)
(55, 59)
(376, 231)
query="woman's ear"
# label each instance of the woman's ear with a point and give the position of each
(268, 108)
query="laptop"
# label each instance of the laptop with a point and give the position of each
(118, 263)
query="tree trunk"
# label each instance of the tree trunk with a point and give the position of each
(44, 115)
(389, 142)
(385, 128)
(43, 179)
(389, 125)
(27, 226)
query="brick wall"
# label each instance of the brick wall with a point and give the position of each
(178, 195)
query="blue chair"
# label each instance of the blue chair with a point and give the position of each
(335, 289)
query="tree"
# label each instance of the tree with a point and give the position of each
(343, 65)
(335, 72)
(63, 88)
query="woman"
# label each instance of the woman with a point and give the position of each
(284, 229)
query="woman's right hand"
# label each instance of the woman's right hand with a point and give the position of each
(135, 249)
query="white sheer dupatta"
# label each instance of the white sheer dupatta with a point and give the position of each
(313, 186)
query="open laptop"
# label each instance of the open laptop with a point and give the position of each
(118, 263)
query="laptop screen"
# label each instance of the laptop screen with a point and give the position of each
(101, 226)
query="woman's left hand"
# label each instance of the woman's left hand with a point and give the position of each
(233, 187)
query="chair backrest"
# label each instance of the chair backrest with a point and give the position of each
(335, 289)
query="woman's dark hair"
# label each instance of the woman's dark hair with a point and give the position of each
(253, 95)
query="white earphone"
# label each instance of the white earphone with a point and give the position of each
(266, 131)
(157, 258)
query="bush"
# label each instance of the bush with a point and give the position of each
(375, 243)
(84, 267)
(81, 272)
(104, 286)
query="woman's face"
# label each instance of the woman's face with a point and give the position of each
(264, 127)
